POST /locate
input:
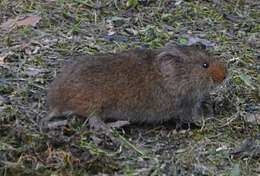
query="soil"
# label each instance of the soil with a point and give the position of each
(32, 53)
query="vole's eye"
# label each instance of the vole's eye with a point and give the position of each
(205, 65)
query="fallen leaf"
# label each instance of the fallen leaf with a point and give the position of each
(252, 118)
(8, 23)
(31, 20)
(26, 21)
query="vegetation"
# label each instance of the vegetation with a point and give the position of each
(31, 56)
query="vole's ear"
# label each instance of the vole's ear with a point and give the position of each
(167, 62)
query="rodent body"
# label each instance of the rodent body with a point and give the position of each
(141, 85)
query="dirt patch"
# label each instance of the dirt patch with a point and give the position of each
(31, 56)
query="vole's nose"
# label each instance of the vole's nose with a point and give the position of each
(219, 73)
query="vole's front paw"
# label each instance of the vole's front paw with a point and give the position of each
(99, 126)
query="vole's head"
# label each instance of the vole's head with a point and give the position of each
(190, 68)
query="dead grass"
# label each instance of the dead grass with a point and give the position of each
(30, 58)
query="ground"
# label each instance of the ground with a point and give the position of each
(31, 55)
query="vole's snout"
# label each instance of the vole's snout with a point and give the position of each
(218, 73)
(222, 73)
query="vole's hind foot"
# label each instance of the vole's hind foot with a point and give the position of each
(118, 124)
(202, 111)
(98, 125)
(54, 125)
(45, 123)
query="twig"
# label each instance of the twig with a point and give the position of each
(131, 145)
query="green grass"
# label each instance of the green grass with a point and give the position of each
(69, 28)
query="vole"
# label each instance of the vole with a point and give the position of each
(140, 85)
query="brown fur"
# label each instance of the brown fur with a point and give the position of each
(140, 85)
